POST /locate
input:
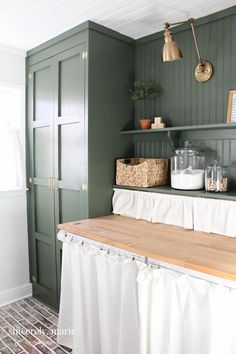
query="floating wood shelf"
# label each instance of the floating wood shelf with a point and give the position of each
(173, 134)
(168, 190)
(221, 126)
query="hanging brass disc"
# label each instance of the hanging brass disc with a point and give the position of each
(203, 71)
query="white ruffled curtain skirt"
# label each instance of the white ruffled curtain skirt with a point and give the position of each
(99, 305)
(111, 304)
(162, 208)
(183, 315)
(200, 214)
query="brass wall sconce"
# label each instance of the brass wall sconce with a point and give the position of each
(171, 52)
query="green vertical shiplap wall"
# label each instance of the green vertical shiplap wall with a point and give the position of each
(184, 101)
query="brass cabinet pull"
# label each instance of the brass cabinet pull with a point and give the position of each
(50, 183)
(55, 183)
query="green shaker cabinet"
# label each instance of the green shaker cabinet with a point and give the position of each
(77, 103)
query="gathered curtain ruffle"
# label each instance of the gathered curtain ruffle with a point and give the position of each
(200, 214)
(99, 304)
(114, 304)
(180, 314)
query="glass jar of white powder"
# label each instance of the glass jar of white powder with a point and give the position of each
(187, 168)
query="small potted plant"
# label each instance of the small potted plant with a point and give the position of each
(144, 90)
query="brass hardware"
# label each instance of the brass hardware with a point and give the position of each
(50, 183)
(203, 71)
(29, 76)
(84, 55)
(33, 279)
(55, 183)
(171, 51)
(84, 187)
(191, 21)
(30, 180)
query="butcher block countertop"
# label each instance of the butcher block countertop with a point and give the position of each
(208, 253)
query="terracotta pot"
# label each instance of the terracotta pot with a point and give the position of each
(145, 123)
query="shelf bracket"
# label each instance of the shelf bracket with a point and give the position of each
(173, 137)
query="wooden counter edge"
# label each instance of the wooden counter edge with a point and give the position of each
(68, 227)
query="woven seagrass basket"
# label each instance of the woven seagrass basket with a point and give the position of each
(141, 172)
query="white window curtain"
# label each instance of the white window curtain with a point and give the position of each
(11, 129)
(99, 306)
(182, 315)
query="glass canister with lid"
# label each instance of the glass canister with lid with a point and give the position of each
(187, 168)
(216, 177)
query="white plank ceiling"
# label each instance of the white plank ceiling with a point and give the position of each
(26, 23)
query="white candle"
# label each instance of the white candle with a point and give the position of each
(158, 120)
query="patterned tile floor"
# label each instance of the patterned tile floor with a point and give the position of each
(28, 326)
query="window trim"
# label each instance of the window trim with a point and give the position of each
(13, 193)
(22, 189)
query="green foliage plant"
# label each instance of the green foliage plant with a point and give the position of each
(145, 90)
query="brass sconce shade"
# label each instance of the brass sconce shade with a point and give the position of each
(171, 52)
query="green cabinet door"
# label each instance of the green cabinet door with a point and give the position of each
(58, 161)
(41, 198)
(70, 152)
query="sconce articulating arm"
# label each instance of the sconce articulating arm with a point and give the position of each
(204, 69)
